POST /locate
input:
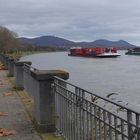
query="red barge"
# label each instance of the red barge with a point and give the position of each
(94, 52)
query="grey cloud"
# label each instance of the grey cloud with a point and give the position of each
(75, 19)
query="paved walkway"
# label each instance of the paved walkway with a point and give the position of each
(17, 118)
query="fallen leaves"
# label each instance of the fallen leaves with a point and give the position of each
(2, 67)
(6, 132)
(3, 114)
(8, 94)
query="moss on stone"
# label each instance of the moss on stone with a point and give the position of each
(50, 136)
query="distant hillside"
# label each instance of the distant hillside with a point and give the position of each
(48, 41)
(121, 44)
(61, 42)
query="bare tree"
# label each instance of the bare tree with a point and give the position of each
(8, 40)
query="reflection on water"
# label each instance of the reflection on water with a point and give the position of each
(100, 75)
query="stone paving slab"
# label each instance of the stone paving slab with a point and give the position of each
(17, 118)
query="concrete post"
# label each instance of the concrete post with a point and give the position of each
(28, 80)
(11, 66)
(18, 73)
(44, 98)
(4, 60)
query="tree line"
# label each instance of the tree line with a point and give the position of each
(10, 43)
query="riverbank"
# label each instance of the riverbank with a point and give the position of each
(16, 121)
(18, 54)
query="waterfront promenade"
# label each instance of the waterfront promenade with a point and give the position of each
(14, 120)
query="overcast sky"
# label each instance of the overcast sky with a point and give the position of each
(77, 20)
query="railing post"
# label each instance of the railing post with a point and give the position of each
(129, 120)
(18, 72)
(44, 98)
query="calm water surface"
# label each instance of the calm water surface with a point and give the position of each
(99, 75)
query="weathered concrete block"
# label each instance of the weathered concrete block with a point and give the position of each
(19, 74)
(11, 66)
(44, 98)
(28, 80)
(4, 60)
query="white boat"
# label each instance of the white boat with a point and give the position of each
(109, 54)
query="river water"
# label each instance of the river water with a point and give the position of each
(99, 75)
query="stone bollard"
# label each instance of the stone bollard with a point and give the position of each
(4, 60)
(19, 74)
(11, 66)
(44, 98)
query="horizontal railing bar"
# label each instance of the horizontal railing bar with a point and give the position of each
(128, 107)
(29, 67)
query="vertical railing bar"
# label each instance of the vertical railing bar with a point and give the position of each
(110, 129)
(75, 112)
(70, 114)
(138, 126)
(62, 123)
(63, 110)
(60, 111)
(78, 114)
(91, 120)
(83, 114)
(115, 124)
(100, 131)
(122, 129)
(57, 106)
(129, 119)
(62, 106)
(66, 114)
(84, 119)
(73, 116)
(105, 128)
(88, 130)
(57, 103)
(60, 114)
(80, 111)
(95, 122)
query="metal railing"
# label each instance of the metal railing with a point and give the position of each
(82, 115)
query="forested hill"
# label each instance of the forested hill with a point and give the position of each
(61, 42)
